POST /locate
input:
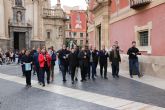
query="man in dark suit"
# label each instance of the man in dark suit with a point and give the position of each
(84, 63)
(63, 56)
(36, 63)
(76, 48)
(72, 63)
(133, 53)
(115, 59)
(94, 55)
(103, 57)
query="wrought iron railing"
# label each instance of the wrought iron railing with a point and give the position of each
(139, 3)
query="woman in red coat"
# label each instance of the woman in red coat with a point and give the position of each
(44, 62)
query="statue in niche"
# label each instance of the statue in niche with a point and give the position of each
(18, 2)
(19, 17)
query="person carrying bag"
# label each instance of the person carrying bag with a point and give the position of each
(27, 67)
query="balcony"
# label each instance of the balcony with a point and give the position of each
(102, 1)
(135, 4)
(52, 13)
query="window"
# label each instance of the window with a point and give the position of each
(81, 34)
(81, 42)
(48, 35)
(70, 34)
(74, 33)
(143, 38)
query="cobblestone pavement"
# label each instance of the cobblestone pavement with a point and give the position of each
(138, 95)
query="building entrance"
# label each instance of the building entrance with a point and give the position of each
(19, 40)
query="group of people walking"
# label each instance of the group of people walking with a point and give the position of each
(40, 61)
(9, 57)
(71, 59)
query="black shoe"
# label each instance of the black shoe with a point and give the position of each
(93, 79)
(64, 80)
(131, 76)
(82, 80)
(105, 78)
(76, 79)
(72, 82)
(43, 85)
(117, 76)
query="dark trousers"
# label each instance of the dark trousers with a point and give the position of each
(84, 70)
(92, 65)
(64, 69)
(23, 72)
(52, 72)
(72, 71)
(34, 70)
(115, 68)
(89, 70)
(28, 77)
(67, 69)
(37, 69)
(42, 75)
(134, 66)
(103, 66)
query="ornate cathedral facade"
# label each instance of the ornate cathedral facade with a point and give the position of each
(31, 23)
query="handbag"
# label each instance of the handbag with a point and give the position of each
(28, 67)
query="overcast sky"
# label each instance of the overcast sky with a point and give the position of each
(80, 3)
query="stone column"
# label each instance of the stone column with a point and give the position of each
(27, 40)
(2, 19)
(35, 20)
(11, 37)
(105, 30)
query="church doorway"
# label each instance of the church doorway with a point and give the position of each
(19, 40)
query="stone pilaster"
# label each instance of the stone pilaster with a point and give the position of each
(2, 19)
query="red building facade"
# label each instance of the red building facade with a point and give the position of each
(142, 21)
(77, 27)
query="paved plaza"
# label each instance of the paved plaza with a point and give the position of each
(111, 94)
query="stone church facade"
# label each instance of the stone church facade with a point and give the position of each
(31, 23)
